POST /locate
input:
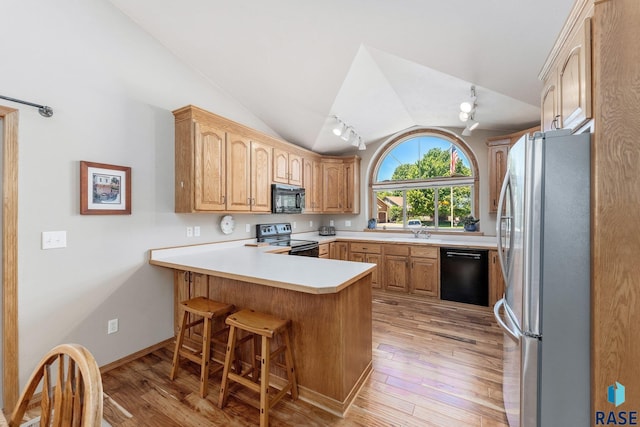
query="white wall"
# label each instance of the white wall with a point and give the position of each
(112, 89)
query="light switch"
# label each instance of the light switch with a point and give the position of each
(54, 239)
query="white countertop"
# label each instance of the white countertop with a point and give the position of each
(260, 265)
(233, 260)
(447, 240)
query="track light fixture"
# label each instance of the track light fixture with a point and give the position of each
(347, 133)
(468, 111)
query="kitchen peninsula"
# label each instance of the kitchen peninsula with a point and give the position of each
(328, 302)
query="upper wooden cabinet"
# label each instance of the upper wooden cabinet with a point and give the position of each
(249, 175)
(341, 184)
(223, 166)
(218, 168)
(200, 165)
(312, 183)
(566, 95)
(287, 167)
(498, 151)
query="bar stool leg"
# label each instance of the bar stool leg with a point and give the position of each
(229, 356)
(206, 352)
(176, 354)
(291, 374)
(264, 382)
(255, 365)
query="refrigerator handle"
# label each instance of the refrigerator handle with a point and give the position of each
(501, 323)
(501, 218)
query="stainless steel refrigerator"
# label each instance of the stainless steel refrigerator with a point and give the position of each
(544, 247)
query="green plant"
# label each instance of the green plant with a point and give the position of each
(468, 220)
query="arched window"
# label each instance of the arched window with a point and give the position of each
(424, 177)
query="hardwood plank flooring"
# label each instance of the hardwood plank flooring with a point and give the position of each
(435, 364)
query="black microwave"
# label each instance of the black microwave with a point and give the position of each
(287, 199)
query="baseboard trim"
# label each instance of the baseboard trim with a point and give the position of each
(133, 356)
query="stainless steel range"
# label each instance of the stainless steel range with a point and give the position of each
(279, 234)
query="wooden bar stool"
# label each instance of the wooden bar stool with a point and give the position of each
(266, 326)
(208, 310)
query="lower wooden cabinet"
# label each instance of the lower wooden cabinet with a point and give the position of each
(323, 250)
(425, 269)
(368, 252)
(396, 268)
(339, 250)
(496, 279)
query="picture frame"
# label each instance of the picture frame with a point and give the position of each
(104, 189)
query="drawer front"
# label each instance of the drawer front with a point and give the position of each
(424, 251)
(323, 249)
(370, 248)
(402, 250)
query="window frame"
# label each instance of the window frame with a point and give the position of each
(473, 181)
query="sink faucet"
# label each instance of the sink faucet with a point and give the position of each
(418, 231)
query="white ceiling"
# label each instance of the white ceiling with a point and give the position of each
(380, 65)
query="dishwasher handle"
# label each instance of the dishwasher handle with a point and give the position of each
(451, 254)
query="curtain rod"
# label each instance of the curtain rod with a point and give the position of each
(44, 110)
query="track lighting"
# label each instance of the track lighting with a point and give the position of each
(347, 133)
(468, 111)
(471, 125)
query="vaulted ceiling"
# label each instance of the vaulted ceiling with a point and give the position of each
(380, 65)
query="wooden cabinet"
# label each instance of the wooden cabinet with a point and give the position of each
(200, 162)
(339, 250)
(425, 269)
(312, 183)
(566, 95)
(498, 151)
(287, 167)
(368, 252)
(223, 166)
(396, 268)
(333, 190)
(218, 169)
(249, 172)
(352, 185)
(496, 279)
(323, 250)
(341, 185)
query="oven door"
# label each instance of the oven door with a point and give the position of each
(311, 251)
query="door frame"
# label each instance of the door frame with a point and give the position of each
(10, 384)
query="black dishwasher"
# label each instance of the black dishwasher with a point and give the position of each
(464, 275)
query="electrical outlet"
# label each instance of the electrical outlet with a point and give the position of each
(310, 223)
(112, 326)
(347, 223)
(294, 224)
(247, 228)
(196, 231)
(331, 223)
(189, 231)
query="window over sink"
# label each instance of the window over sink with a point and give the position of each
(427, 177)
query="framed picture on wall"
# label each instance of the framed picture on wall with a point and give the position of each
(104, 189)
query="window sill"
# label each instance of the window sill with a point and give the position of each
(432, 232)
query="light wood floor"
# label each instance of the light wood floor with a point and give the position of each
(435, 364)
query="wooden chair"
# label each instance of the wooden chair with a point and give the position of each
(265, 326)
(71, 389)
